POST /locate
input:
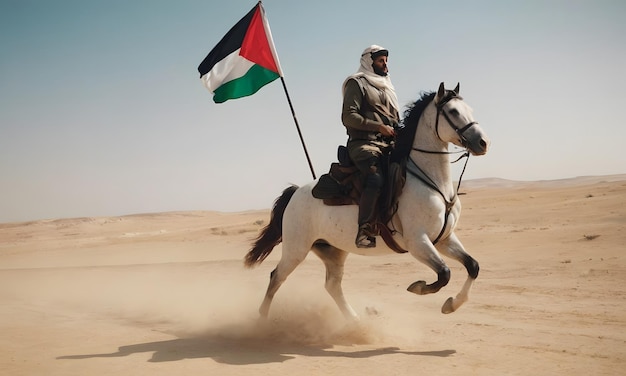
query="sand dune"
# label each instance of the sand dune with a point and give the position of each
(167, 293)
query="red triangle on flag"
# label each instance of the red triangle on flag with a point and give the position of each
(255, 46)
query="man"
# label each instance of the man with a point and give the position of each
(369, 113)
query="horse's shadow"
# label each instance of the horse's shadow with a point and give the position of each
(242, 351)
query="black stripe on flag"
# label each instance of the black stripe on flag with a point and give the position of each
(229, 43)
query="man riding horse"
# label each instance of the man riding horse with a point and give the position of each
(370, 114)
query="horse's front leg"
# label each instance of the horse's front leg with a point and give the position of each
(453, 248)
(426, 252)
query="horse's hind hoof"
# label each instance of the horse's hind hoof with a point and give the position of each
(417, 287)
(448, 306)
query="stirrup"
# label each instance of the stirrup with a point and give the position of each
(364, 238)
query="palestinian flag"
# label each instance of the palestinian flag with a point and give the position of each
(243, 61)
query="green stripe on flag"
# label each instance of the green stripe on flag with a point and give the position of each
(248, 84)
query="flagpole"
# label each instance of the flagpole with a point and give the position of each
(282, 79)
(293, 113)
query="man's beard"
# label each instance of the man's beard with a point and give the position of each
(380, 72)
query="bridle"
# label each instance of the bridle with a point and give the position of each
(459, 130)
(422, 176)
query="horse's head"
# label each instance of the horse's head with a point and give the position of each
(455, 122)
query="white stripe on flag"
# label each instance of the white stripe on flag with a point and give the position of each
(229, 68)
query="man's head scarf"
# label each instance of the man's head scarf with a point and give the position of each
(366, 71)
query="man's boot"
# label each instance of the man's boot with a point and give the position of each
(365, 238)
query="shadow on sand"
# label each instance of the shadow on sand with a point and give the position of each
(244, 351)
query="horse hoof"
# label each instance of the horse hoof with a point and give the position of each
(417, 287)
(448, 307)
(262, 321)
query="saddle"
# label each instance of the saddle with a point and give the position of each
(343, 185)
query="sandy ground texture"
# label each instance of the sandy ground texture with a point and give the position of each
(167, 294)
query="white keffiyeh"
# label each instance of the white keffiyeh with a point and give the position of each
(366, 71)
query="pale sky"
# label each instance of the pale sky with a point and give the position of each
(102, 111)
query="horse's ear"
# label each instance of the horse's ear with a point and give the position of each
(440, 93)
(457, 88)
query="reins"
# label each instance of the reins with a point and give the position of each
(424, 178)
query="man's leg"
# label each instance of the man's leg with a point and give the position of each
(373, 181)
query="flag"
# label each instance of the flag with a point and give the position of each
(243, 61)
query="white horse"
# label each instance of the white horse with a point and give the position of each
(427, 214)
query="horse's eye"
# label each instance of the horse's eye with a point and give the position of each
(454, 112)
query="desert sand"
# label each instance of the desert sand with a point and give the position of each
(167, 294)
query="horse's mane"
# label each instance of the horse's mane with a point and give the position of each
(406, 134)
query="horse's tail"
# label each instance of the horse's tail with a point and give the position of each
(272, 234)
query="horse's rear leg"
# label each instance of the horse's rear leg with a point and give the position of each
(453, 248)
(286, 265)
(334, 260)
